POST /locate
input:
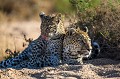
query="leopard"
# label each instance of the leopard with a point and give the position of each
(41, 51)
(95, 52)
(55, 46)
(76, 46)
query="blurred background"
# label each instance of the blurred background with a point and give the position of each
(29, 9)
(23, 9)
(19, 19)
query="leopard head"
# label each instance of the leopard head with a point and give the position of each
(77, 44)
(51, 24)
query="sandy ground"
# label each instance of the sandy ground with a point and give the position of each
(92, 69)
(11, 37)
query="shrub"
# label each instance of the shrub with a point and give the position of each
(103, 21)
(64, 6)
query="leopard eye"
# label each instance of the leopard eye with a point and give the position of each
(57, 21)
(48, 21)
(51, 29)
(89, 39)
(84, 41)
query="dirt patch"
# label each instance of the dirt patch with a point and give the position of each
(93, 69)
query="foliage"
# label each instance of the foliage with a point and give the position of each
(63, 6)
(83, 5)
(103, 21)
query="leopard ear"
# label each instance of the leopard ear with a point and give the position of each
(59, 16)
(86, 29)
(71, 31)
(42, 14)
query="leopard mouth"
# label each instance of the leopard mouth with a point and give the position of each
(80, 54)
(85, 53)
